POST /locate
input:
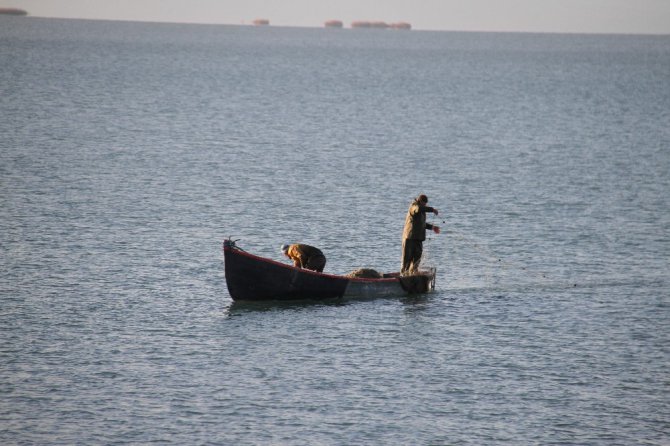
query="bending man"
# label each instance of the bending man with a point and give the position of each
(415, 233)
(305, 256)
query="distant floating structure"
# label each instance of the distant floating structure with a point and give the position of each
(380, 25)
(261, 22)
(366, 24)
(13, 11)
(333, 24)
(401, 25)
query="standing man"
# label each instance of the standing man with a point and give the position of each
(305, 256)
(415, 233)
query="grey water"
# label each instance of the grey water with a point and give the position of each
(130, 151)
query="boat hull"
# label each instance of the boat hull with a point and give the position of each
(253, 278)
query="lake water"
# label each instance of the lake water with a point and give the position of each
(130, 151)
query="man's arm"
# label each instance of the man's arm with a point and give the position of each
(434, 228)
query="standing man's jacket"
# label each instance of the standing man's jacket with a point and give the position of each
(415, 222)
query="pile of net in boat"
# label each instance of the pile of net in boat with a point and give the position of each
(365, 273)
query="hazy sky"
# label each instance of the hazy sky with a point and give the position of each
(582, 16)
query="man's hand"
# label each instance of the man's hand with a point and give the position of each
(436, 229)
(435, 211)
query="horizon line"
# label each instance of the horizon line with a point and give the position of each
(413, 29)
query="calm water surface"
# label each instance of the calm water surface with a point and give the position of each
(129, 151)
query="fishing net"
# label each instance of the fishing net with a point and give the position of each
(365, 273)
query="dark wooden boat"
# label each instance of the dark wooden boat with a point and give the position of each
(253, 278)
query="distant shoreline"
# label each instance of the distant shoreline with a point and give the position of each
(474, 31)
(13, 11)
